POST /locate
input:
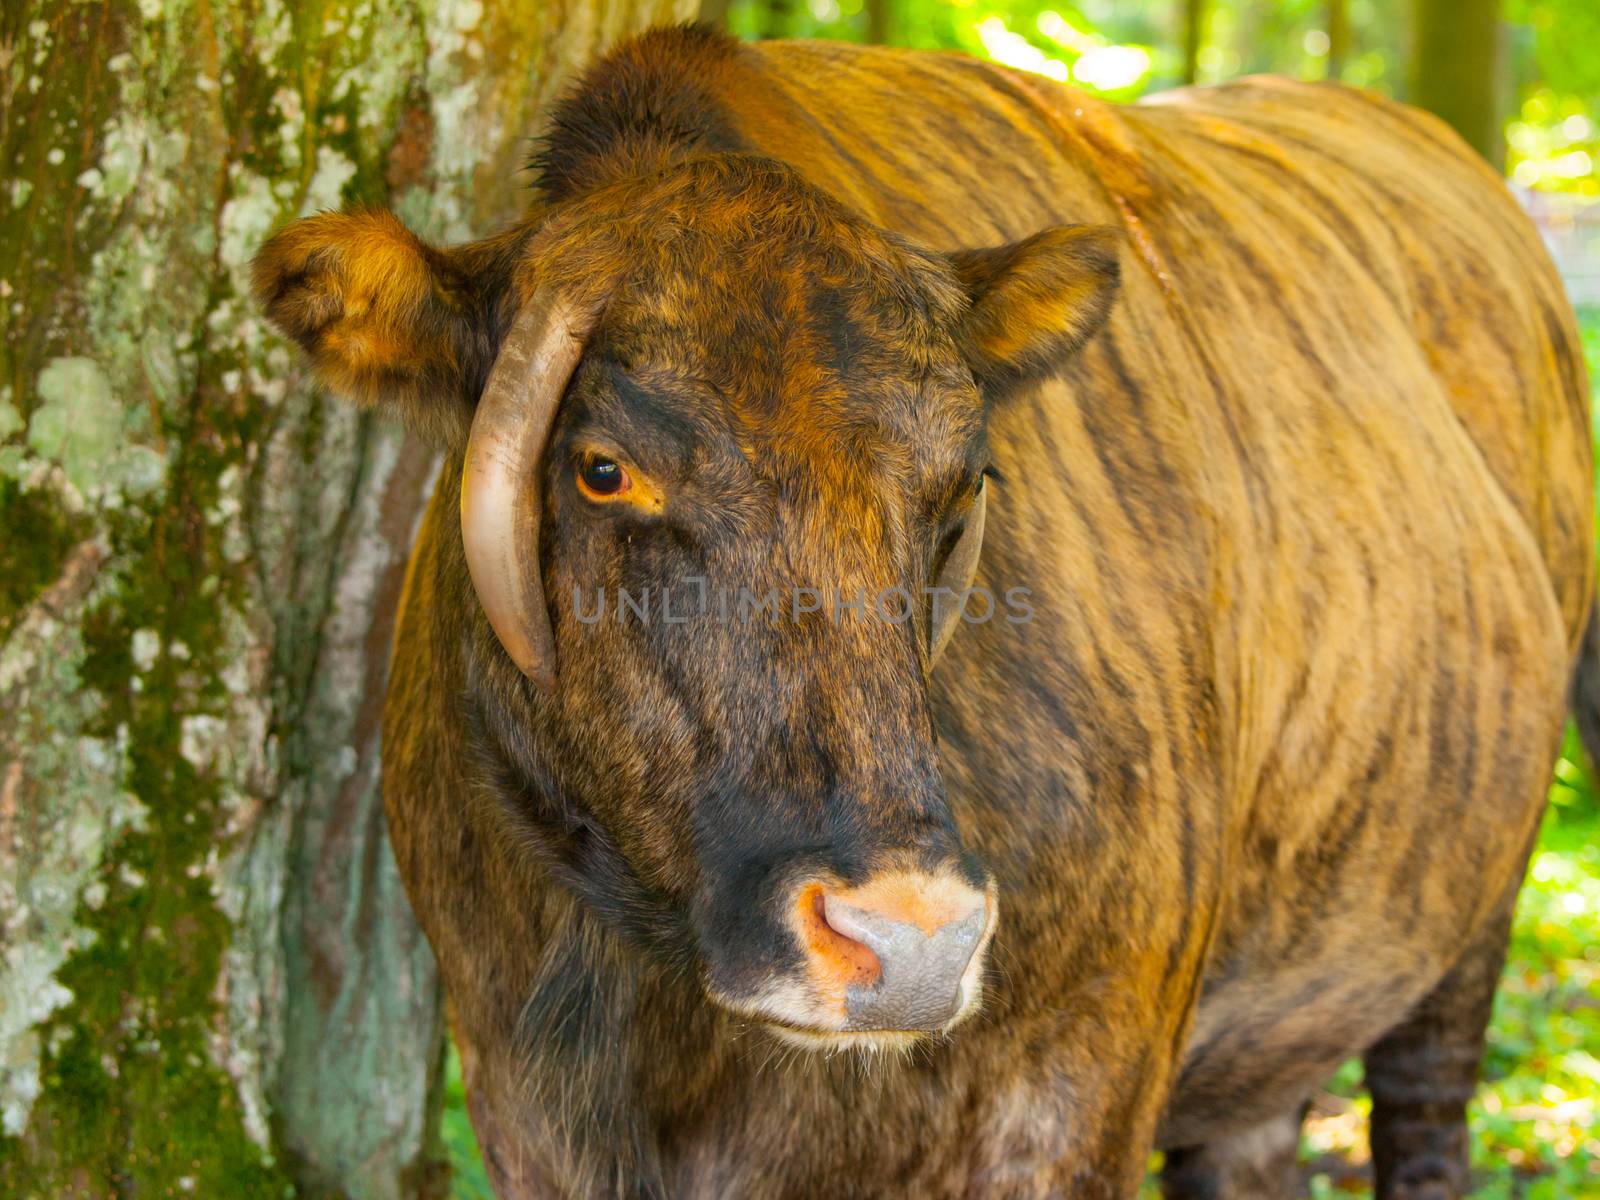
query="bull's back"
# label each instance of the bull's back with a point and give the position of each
(1343, 208)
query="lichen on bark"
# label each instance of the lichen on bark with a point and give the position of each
(210, 982)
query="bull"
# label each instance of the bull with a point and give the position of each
(1264, 402)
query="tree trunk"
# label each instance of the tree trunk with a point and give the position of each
(879, 16)
(1338, 37)
(210, 981)
(714, 13)
(1194, 32)
(1455, 69)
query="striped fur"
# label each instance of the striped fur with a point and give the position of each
(1307, 525)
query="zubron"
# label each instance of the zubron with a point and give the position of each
(1308, 492)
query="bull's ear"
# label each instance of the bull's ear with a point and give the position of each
(389, 322)
(1034, 303)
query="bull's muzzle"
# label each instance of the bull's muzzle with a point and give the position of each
(903, 952)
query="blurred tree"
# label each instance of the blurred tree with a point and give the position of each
(210, 981)
(1456, 69)
(777, 19)
(880, 14)
(1194, 33)
(1338, 37)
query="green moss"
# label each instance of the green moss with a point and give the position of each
(38, 536)
(132, 1097)
(133, 1101)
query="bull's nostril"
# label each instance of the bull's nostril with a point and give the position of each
(842, 959)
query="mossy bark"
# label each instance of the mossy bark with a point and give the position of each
(210, 982)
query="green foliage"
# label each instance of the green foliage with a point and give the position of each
(468, 1180)
(1537, 1120)
(1553, 143)
(1562, 40)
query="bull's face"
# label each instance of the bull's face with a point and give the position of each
(723, 472)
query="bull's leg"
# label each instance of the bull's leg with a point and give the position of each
(1424, 1071)
(1258, 1164)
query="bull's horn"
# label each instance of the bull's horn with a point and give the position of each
(502, 477)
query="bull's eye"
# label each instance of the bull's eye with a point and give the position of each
(602, 478)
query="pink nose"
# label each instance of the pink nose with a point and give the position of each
(901, 948)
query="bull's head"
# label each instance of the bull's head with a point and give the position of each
(712, 388)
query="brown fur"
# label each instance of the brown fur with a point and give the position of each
(1307, 530)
